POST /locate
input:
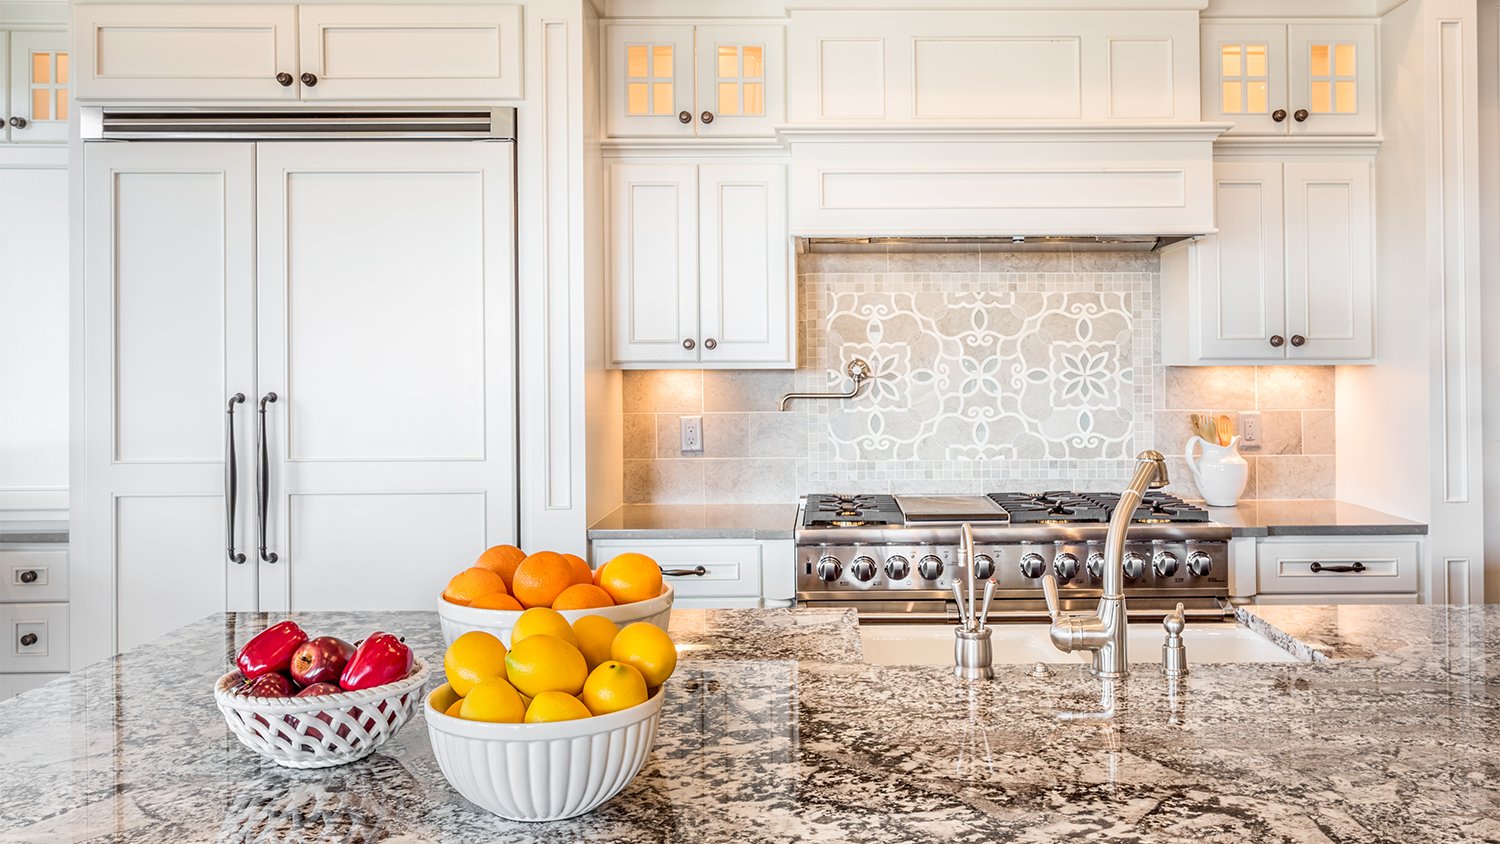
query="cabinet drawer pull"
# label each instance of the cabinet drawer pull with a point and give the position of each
(695, 571)
(1356, 568)
(28, 640)
(28, 576)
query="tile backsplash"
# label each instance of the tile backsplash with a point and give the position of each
(993, 371)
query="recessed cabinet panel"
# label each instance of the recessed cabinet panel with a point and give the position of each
(851, 78)
(1329, 283)
(654, 263)
(197, 52)
(1140, 78)
(169, 564)
(1244, 77)
(39, 77)
(744, 275)
(1242, 295)
(980, 78)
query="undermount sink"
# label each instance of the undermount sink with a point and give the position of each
(1024, 644)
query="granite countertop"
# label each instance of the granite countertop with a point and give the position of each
(33, 530)
(768, 735)
(697, 521)
(1311, 517)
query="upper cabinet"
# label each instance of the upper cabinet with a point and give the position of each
(231, 53)
(684, 81)
(38, 74)
(1297, 79)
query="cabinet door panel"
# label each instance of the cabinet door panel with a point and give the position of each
(1245, 77)
(1333, 72)
(654, 264)
(740, 80)
(39, 71)
(416, 52)
(649, 74)
(746, 298)
(196, 52)
(1330, 277)
(1242, 299)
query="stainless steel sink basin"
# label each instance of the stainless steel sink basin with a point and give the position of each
(1023, 644)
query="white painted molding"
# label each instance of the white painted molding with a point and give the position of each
(1062, 132)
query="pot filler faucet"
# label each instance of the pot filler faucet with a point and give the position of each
(1103, 632)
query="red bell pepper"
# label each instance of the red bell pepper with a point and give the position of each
(270, 650)
(380, 659)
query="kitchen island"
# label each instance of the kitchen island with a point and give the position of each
(775, 730)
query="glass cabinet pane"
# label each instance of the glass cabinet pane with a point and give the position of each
(1343, 60)
(41, 104)
(755, 63)
(729, 98)
(41, 68)
(729, 62)
(1317, 60)
(1230, 54)
(48, 85)
(1255, 60)
(649, 89)
(739, 70)
(1343, 97)
(661, 98)
(62, 68)
(1243, 80)
(1332, 87)
(661, 61)
(636, 62)
(635, 99)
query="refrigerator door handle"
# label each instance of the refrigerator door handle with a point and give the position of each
(231, 481)
(263, 480)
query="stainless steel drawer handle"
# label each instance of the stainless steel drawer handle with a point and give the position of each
(263, 480)
(695, 571)
(28, 640)
(28, 576)
(1356, 568)
(231, 481)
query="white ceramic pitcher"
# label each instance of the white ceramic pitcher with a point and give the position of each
(1221, 473)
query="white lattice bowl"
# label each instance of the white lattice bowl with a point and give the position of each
(458, 620)
(289, 731)
(542, 772)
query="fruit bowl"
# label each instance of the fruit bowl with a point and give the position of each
(542, 772)
(457, 619)
(323, 730)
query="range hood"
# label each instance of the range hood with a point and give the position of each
(1010, 243)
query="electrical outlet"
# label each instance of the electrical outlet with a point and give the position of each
(1250, 428)
(692, 433)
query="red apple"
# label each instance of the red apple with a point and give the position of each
(378, 660)
(320, 660)
(320, 689)
(274, 684)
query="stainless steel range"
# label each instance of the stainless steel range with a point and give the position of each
(894, 557)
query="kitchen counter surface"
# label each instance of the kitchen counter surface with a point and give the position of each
(697, 521)
(1311, 517)
(806, 743)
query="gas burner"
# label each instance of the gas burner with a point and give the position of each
(850, 511)
(1064, 508)
(846, 523)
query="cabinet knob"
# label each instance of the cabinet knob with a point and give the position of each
(1298, 340)
(1300, 115)
(1277, 341)
(309, 80)
(284, 79)
(706, 117)
(684, 117)
(18, 122)
(28, 576)
(1278, 115)
(690, 344)
(710, 344)
(28, 640)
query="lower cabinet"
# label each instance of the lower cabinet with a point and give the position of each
(714, 573)
(33, 616)
(1338, 570)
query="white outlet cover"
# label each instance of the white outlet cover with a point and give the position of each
(1250, 428)
(692, 434)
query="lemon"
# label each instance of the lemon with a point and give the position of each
(613, 686)
(555, 706)
(595, 634)
(456, 710)
(542, 621)
(648, 648)
(443, 697)
(493, 700)
(472, 658)
(545, 663)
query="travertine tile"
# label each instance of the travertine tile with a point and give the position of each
(1024, 262)
(745, 390)
(842, 262)
(778, 434)
(1116, 262)
(935, 262)
(749, 481)
(1194, 388)
(1317, 432)
(640, 436)
(1295, 387)
(1299, 476)
(724, 435)
(1280, 432)
(664, 482)
(663, 391)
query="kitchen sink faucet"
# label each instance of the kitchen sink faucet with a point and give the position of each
(1103, 632)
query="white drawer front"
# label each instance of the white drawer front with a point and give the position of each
(33, 638)
(14, 684)
(728, 571)
(1335, 567)
(33, 575)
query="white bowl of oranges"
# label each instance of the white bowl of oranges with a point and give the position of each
(557, 723)
(505, 581)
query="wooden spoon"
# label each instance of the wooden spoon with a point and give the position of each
(1224, 431)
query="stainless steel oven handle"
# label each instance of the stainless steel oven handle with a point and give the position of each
(231, 480)
(263, 481)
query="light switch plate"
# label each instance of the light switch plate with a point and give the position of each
(692, 434)
(1250, 428)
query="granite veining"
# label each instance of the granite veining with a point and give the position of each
(782, 745)
(697, 521)
(1311, 517)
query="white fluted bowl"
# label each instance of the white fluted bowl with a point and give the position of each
(457, 620)
(542, 772)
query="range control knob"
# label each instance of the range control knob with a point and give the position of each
(984, 566)
(1033, 566)
(1200, 564)
(1096, 565)
(930, 567)
(863, 569)
(829, 569)
(1165, 564)
(897, 567)
(1066, 566)
(1135, 565)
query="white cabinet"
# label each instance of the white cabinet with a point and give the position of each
(37, 68)
(286, 53)
(1295, 79)
(712, 573)
(677, 80)
(1337, 570)
(1289, 276)
(700, 266)
(368, 287)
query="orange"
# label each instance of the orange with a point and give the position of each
(581, 571)
(471, 583)
(613, 686)
(502, 560)
(455, 709)
(495, 601)
(597, 572)
(631, 577)
(541, 578)
(582, 596)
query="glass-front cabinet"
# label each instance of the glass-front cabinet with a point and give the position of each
(1298, 79)
(37, 106)
(694, 81)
